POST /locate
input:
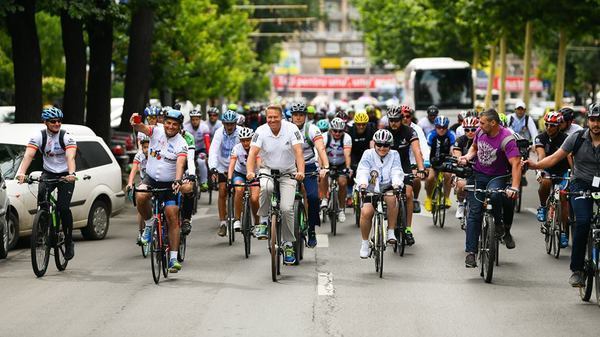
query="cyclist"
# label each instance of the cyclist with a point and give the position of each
(460, 129)
(567, 126)
(461, 147)
(255, 118)
(546, 144)
(312, 146)
(379, 170)
(151, 114)
(279, 144)
(440, 140)
(310, 115)
(582, 145)
(213, 122)
(361, 134)
(58, 149)
(405, 139)
(225, 138)
(373, 114)
(338, 146)
(521, 123)
(139, 165)
(237, 175)
(187, 187)
(201, 135)
(408, 120)
(495, 152)
(426, 123)
(323, 125)
(165, 169)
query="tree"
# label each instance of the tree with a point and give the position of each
(75, 72)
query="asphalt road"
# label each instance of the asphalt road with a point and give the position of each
(107, 290)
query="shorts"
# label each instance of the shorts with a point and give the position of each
(338, 169)
(238, 178)
(373, 199)
(221, 178)
(168, 197)
(408, 181)
(564, 184)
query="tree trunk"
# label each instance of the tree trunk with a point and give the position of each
(559, 86)
(99, 84)
(27, 62)
(527, 57)
(137, 80)
(74, 47)
(502, 97)
(490, 86)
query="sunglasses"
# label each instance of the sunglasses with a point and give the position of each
(395, 120)
(385, 146)
(548, 125)
(54, 121)
(441, 127)
(407, 116)
(337, 131)
(470, 129)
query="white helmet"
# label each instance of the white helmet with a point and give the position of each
(383, 136)
(337, 124)
(245, 133)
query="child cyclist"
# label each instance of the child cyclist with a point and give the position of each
(237, 175)
(139, 165)
(379, 170)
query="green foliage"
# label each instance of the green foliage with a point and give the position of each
(51, 50)
(52, 89)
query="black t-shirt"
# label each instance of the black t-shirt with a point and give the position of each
(462, 143)
(403, 137)
(550, 146)
(360, 143)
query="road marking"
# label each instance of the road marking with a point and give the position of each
(427, 214)
(531, 210)
(325, 284)
(322, 240)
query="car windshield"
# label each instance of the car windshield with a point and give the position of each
(446, 88)
(10, 159)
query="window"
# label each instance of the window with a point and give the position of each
(309, 48)
(90, 155)
(332, 48)
(446, 88)
(333, 26)
(10, 159)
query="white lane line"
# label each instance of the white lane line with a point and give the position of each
(531, 210)
(322, 240)
(424, 214)
(325, 284)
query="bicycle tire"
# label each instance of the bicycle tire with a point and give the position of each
(182, 248)
(273, 247)
(195, 199)
(145, 248)
(556, 230)
(381, 249)
(442, 209)
(333, 210)
(519, 200)
(59, 251)
(155, 253)
(597, 277)
(230, 220)
(434, 205)
(489, 248)
(586, 292)
(375, 239)
(40, 242)
(246, 227)
(401, 239)
(298, 244)
(549, 235)
(356, 207)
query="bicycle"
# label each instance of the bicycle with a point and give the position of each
(401, 222)
(230, 216)
(333, 208)
(47, 231)
(300, 220)
(356, 206)
(523, 145)
(489, 243)
(438, 201)
(552, 228)
(247, 227)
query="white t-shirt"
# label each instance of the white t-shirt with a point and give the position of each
(220, 149)
(54, 157)
(277, 152)
(142, 160)
(198, 134)
(212, 128)
(163, 153)
(311, 134)
(426, 125)
(335, 150)
(241, 158)
(425, 149)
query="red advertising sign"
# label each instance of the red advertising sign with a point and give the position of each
(332, 82)
(515, 84)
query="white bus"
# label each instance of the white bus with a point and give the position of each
(440, 81)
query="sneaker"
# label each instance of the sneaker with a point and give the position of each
(237, 226)
(147, 235)
(448, 202)
(564, 240)
(222, 229)
(470, 260)
(364, 249)
(261, 231)
(341, 216)
(409, 237)
(312, 240)
(391, 237)
(186, 226)
(508, 241)
(204, 187)
(428, 204)
(69, 250)
(174, 265)
(460, 211)
(139, 240)
(289, 257)
(541, 214)
(324, 203)
(416, 206)
(576, 280)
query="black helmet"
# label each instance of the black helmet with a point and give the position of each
(567, 113)
(433, 110)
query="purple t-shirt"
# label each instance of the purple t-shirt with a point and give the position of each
(491, 160)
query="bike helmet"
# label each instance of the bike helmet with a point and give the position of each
(254, 108)
(232, 106)
(470, 122)
(195, 113)
(213, 111)
(175, 114)
(151, 111)
(394, 112)
(442, 121)
(241, 120)
(144, 139)
(433, 110)
(567, 113)
(405, 109)
(245, 133)
(370, 108)
(383, 136)
(310, 109)
(338, 124)
(165, 109)
(594, 110)
(553, 117)
(323, 125)
(52, 113)
(343, 116)
(361, 117)
(298, 108)
(230, 116)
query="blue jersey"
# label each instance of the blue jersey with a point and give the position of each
(440, 145)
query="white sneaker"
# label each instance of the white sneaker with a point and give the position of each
(237, 225)
(364, 249)
(324, 203)
(341, 216)
(391, 236)
(460, 211)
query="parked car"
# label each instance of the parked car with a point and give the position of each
(94, 199)
(3, 218)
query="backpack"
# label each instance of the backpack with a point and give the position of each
(61, 140)
(510, 120)
(578, 142)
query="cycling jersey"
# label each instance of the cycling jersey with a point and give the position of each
(403, 138)
(422, 144)
(311, 134)
(550, 145)
(212, 128)
(141, 160)
(360, 143)
(220, 149)
(163, 152)
(440, 146)
(54, 158)
(277, 151)
(241, 158)
(335, 148)
(198, 134)
(379, 173)
(462, 144)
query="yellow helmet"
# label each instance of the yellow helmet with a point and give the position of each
(361, 117)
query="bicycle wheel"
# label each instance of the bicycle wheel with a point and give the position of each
(556, 230)
(549, 234)
(519, 200)
(155, 253)
(274, 247)
(588, 269)
(230, 219)
(435, 205)
(376, 245)
(40, 242)
(247, 227)
(182, 247)
(195, 198)
(488, 248)
(356, 206)
(59, 250)
(381, 240)
(298, 226)
(597, 274)
(333, 210)
(442, 209)
(402, 223)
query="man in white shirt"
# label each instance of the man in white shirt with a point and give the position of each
(521, 123)
(279, 144)
(426, 123)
